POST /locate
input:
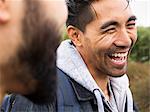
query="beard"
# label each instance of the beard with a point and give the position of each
(33, 68)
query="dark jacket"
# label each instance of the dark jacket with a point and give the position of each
(71, 97)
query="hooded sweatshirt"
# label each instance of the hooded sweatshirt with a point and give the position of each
(70, 61)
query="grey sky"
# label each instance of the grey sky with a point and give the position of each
(141, 8)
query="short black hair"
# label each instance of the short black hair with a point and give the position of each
(79, 13)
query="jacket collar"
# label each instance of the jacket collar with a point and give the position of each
(82, 93)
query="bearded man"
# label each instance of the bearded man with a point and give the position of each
(29, 36)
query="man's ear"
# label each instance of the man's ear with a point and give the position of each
(74, 34)
(4, 13)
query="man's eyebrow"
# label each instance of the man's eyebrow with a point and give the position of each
(132, 18)
(107, 24)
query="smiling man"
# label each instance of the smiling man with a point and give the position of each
(29, 35)
(94, 59)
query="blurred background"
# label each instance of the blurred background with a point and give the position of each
(139, 61)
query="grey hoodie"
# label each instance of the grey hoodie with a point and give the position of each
(70, 61)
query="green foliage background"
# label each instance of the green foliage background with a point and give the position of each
(141, 50)
(139, 69)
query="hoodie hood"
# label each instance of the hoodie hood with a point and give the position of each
(70, 61)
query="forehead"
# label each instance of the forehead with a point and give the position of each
(112, 9)
(56, 9)
(53, 5)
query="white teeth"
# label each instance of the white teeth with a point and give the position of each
(121, 60)
(119, 57)
(120, 54)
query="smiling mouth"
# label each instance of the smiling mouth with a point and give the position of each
(118, 58)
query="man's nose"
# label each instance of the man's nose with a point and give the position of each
(123, 39)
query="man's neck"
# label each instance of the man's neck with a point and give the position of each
(102, 82)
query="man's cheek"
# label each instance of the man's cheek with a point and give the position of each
(8, 54)
(8, 48)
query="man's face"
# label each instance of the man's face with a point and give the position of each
(108, 39)
(29, 31)
(10, 32)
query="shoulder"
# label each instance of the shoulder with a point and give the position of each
(62, 77)
(66, 97)
(18, 103)
(63, 83)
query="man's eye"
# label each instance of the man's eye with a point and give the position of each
(131, 25)
(109, 30)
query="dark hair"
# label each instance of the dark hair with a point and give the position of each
(79, 13)
(39, 54)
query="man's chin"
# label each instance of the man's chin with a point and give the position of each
(118, 73)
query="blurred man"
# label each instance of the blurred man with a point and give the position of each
(29, 36)
(94, 60)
